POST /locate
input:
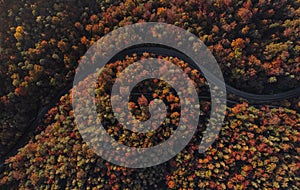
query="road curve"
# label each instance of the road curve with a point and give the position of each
(253, 99)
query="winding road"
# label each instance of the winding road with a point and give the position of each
(253, 99)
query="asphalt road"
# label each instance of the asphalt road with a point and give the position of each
(254, 99)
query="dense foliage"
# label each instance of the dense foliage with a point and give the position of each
(256, 43)
(257, 148)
